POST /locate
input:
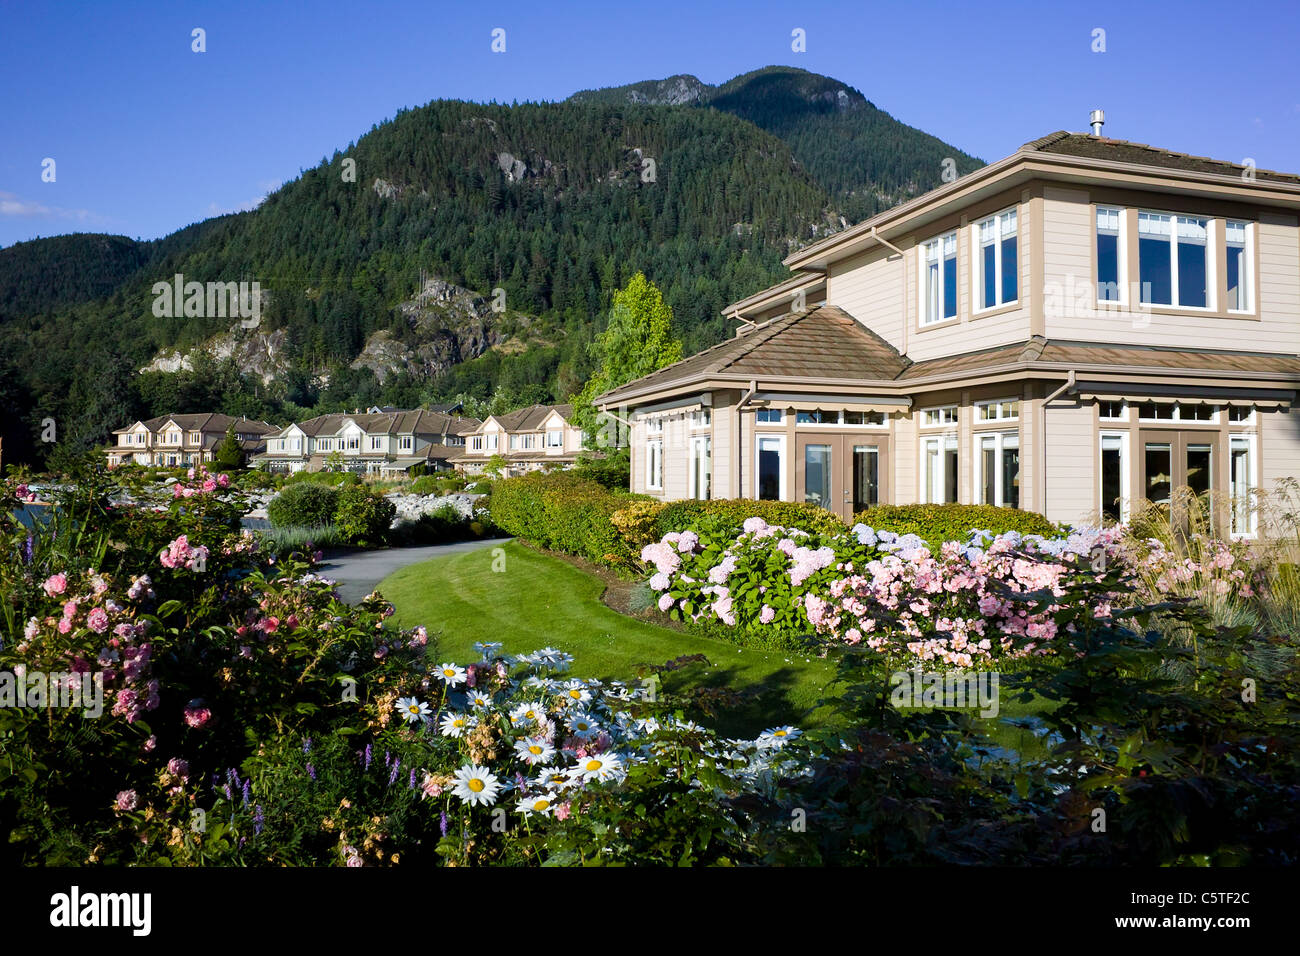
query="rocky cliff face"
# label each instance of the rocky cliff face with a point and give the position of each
(441, 326)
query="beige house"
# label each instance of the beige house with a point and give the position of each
(528, 439)
(377, 441)
(1082, 324)
(179, 440)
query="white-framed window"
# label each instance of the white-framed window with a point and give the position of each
(700, 418)
(834, 416)
(1178, 412)
(998, 410)
(1173, 260)
(354, 443)
(654, 465)
(769, 416)
(476, 443)
(194, 438)
(492, 441)
(1110, 410)
(997, 267)
(1241, 414)
(939, 279)
(324, 444)
(936, 417)
(515, 441)
(701, 471)
(376, 442)
(1237, 239)
(1242, 482)
(939, 469)
(555, 436)
(999, 468)
(406, 442)
(1114, 477)
(1110, 254)
(769, 468)
(295, 444)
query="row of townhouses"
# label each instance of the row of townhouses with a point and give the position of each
(1084, 324)
(379, 440)
(183, 439)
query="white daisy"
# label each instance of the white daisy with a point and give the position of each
(411, 709)
(528, 713)
(582, 726)
(778, 736)
(541, 804)
(453, 676)
(534, 750)
(489, 649)
(605, 766)
(476, 785)
(576, 692)
(479, 699)
(455, 725)
(552, 780)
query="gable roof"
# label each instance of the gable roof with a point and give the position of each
(205, 422)
(420, 421)
(530, 418)
(825, 342)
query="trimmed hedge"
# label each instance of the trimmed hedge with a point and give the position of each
(563, 512)
(303, 505)
(940, 523)
(726, 516)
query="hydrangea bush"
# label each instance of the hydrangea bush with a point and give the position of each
(989, 599)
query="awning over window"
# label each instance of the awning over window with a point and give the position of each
(1269, 401)
(850, 403)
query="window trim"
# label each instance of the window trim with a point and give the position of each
(956, 416)
(999, 437)
(923, 300)
(696, 442)
(999, 418)
(654, 454)
(1211, 259)
(1212, 422)
(1252, 450)
(946, 442)
(1125, 463)
(977, 264)
(1248, 260)
(1121, 255)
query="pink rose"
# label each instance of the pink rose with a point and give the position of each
(197, 717)
(97, 620)
(56, 584)
(128, 800)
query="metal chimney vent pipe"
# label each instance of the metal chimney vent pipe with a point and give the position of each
(1097, 118)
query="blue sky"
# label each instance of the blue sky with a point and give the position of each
(149, 136)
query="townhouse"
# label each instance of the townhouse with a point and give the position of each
(1084, 324)
(527, 439)
(375, 441)
(178, 440)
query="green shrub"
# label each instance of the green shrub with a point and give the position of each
(940, 523)
(303, 505)
(480, 487)
(335, 479)
(563, 512)
(363, 516)
(725, 516)
(613, 469)
(439, 484)
(255, 480)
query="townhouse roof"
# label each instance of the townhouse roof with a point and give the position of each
(204, 422)
(1088, 146)
(413, 422)
(532, 417)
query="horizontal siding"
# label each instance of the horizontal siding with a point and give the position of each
(1280, 446)
(905, 464)
(1069, 303)
(1071, 482)
(870, 288)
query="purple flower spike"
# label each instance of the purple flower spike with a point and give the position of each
(442, 822)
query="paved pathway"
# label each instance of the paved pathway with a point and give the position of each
(359, 572)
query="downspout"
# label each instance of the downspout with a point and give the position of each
(1070, 385)
(738, 443)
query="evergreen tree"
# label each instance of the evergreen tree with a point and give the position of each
(229, 454)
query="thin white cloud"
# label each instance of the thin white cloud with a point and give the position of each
(267, 186)
(12, 204)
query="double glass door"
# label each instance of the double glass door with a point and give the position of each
(841, 473)
(1176, 459)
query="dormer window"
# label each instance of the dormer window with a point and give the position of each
(939, 279)
(997, 271)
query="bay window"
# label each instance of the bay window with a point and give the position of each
(1173, 260)
(1110, 256)
(1239, 285)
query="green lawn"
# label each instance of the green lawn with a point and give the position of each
(539, 601)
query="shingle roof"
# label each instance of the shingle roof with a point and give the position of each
(532, 417)
(420, 421)
(1123, 151)
(825, 342)
(208, 422)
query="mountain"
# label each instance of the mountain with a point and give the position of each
(865, 159)
(456, 249)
